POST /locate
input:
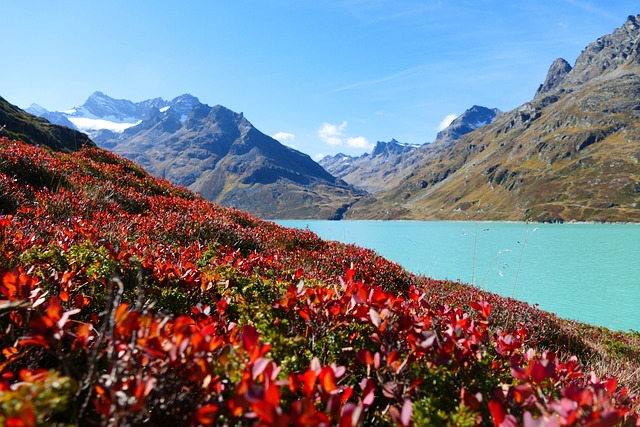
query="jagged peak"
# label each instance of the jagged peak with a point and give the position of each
(186, 98)
(555, 76)
(607, 54)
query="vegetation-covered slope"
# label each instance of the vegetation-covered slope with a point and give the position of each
(125, 300)
(571, 154)
(18, 124)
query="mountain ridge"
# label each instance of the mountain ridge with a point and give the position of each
(216, 152)
(18, 124)
(391, 163)
(570, 154)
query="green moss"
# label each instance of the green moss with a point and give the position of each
(48, 400)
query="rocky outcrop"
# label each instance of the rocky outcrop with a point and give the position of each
(558, 71)
(612, 55)
(472, 119)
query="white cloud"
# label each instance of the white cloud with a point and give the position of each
(285, 138)
(358, 142)
(332, 134)
(447, 121)
(335, 135)
(86, 124)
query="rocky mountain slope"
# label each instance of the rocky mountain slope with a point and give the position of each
(214, 151)
(572, 153)
(20, 125)
(383, 168)
(390, 163)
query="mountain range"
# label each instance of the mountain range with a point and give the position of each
(390, 163)
(213, 151)
(570, 154)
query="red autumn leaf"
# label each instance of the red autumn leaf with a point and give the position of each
(64, 296)
(346, 394)
(350, 274)
(265, 412)
(9, 352)
(611, 385)
(379, 297)
(237, 405)
(249, 337)
(365, 357)
(80, 301)
(37, 340)
(308, 382)
(272, 395)
(521, 392)
(33, 376)
(482, 307)
(26, 418)
(16, 284)
(207, 414)
(54, 309)
(497, 412)
(351, 414)
(83, 333)
(328, 380)
(540, 370)
(121, 311)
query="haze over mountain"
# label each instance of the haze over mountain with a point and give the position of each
(390, 163)
(214, 151)
(572, 153)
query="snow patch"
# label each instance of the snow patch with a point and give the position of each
(72, 111)
(86, 124)
(163, 109)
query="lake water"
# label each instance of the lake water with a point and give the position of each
(585, 272)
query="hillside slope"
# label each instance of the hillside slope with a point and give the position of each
(572, 153)
(125, 300)
(18, 124)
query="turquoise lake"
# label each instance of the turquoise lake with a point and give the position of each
(585, 272)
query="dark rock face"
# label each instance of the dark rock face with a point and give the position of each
(608, 53)
(390, 148)
(221, 155)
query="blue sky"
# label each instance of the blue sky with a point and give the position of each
(326, 76)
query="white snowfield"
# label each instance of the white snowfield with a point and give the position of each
(85, 124)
